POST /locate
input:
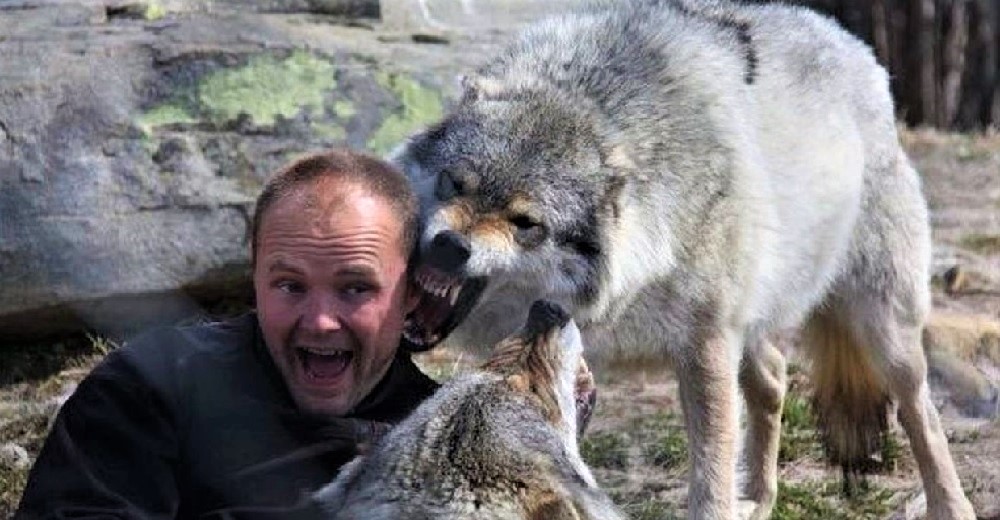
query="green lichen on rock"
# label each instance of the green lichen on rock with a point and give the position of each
(169, 113)
(329, 131)
(420, 106)
(154, 11)
(345, 109)
(267, 87)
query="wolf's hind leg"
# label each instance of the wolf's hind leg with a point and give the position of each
(707, 372)
(763, 381)
(899, 357)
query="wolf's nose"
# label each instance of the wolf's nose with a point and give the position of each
(448, 251)
(545, 315)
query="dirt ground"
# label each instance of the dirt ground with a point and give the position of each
(636, 443)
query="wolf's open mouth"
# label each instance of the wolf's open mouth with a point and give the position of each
(445, 301)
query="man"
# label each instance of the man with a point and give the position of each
(246, 418)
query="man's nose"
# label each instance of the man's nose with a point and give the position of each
(321, 315)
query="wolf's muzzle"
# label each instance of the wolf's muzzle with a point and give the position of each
(448, 252)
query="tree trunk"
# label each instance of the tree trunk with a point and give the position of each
(952, 63)
(943, 56)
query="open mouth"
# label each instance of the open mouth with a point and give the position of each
(445, 301)
(323, 366)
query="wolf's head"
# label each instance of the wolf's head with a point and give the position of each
(543, 361)
(518, 186)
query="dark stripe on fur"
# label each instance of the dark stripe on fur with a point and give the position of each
(743, 35)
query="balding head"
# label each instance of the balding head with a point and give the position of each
(322, 180)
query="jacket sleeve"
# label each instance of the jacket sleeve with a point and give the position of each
(111, 453)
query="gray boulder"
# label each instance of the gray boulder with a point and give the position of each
(134, 138)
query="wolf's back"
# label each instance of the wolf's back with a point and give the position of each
(473, 450)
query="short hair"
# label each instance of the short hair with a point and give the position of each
(344, 167)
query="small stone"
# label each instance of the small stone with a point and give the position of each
(955, 280)
(14, 456)
(430, 38)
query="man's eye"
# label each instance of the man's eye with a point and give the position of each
(358, 288)
(289, 287)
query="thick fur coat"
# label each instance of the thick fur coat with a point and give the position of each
(688, 177)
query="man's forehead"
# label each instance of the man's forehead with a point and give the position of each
(321, 195)
(335, 214)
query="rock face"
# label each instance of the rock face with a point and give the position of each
(134, 139)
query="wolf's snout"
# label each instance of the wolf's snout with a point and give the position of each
(448, 252)
(545, 315)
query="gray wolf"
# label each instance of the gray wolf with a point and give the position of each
(688, 177)
(498, 443)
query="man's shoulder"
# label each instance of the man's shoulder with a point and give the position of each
(160, 351)
(214, 338)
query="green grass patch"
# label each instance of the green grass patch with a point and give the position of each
(814, 500)
(891, 452)
(12, 482)
(34, 362)
(798, 430)
(640, 506)
(605, 450)
(651, 510)
(669, 449)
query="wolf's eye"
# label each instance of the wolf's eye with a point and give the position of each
(448, 186)
(523, 222)
(527, 231)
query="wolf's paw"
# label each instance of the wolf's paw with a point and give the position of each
(753, 510)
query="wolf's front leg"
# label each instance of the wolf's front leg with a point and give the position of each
(707, 372)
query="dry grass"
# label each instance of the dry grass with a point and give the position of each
(982, 243)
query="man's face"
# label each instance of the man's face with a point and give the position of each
(331, 286)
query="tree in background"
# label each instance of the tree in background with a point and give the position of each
(942, 55)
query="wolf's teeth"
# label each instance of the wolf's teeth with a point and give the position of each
(453, 294)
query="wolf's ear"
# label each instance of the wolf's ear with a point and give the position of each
(479, 87)
(618, 170)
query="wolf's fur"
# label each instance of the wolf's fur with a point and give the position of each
(499, 443)
(687, 177)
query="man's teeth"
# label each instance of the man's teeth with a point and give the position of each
(319, 352)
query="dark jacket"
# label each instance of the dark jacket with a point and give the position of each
(196, 422)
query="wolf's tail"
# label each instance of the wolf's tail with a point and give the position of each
(849, 395)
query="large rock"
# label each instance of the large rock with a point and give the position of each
(963, 355)
(134, 138)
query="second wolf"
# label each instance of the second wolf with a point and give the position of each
(688, 177)
(499, 443)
